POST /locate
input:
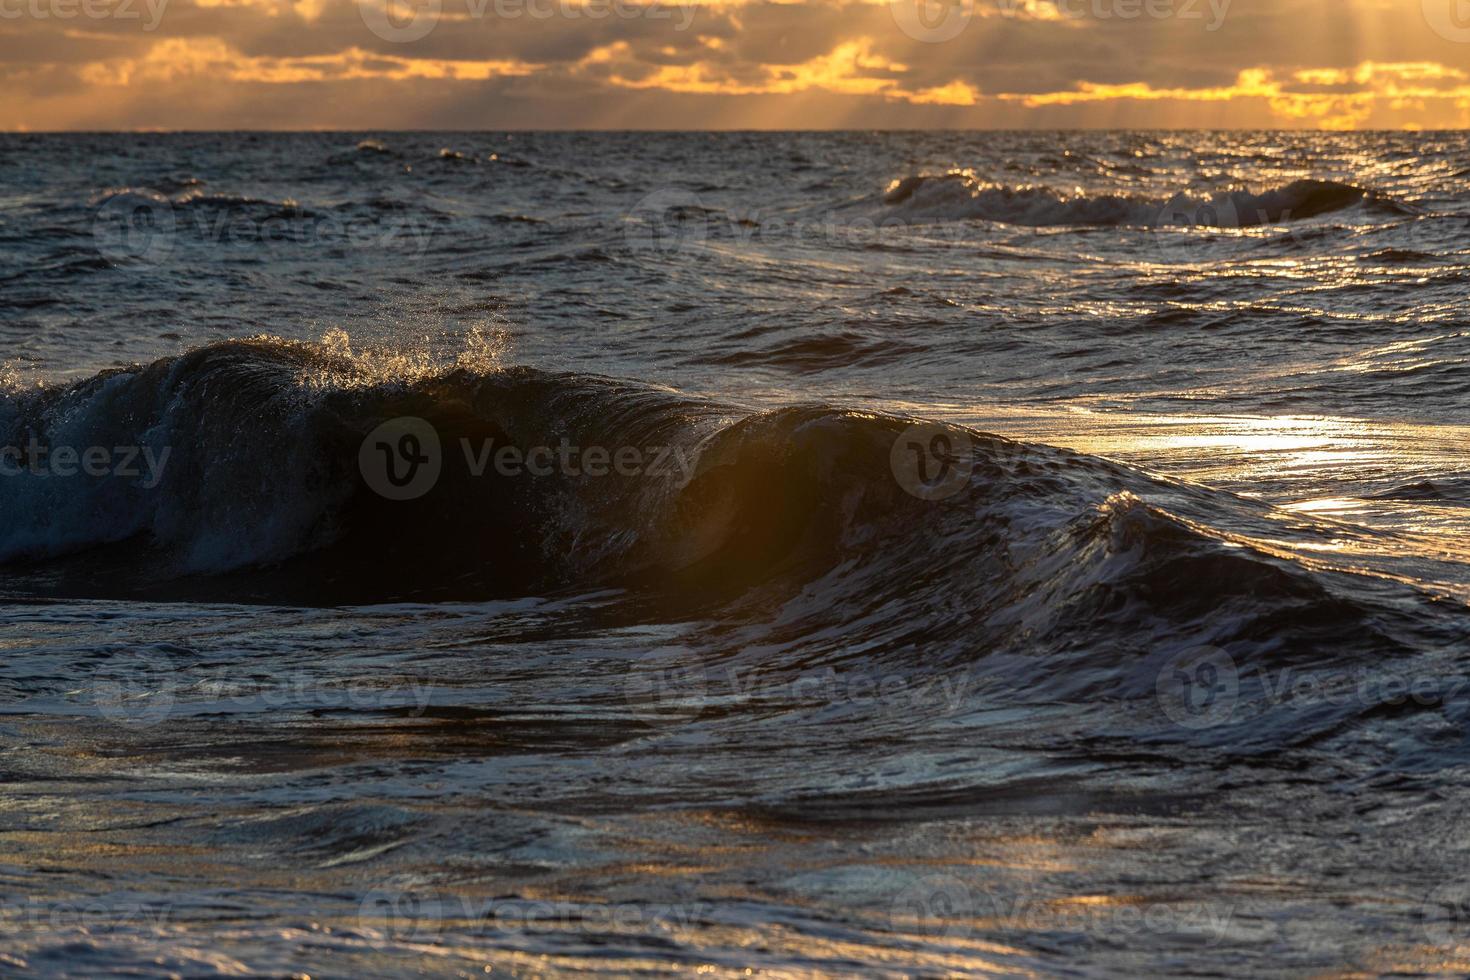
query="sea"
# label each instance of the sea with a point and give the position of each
(801, 554)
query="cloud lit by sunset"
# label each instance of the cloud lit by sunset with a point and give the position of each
(211, 64)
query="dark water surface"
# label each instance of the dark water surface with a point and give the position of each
(462, 554)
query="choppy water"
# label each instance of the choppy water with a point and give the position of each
(816, 554)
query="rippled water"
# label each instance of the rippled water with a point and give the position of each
(848, 553)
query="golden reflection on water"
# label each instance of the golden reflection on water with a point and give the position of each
(1332, 471)
(1283, 458)
(1249, 448)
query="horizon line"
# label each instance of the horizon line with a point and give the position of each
(159, 131)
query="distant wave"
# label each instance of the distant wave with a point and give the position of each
(227, 202)
(959, 195)
(1443, 490)
(824, 352)
(190, 196)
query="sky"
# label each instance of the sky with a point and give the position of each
(742, 64)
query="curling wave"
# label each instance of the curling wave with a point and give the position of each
(265, 495)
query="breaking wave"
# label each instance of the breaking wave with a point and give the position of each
(265, 495)
(959, 195)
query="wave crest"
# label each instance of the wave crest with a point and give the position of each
(800, 510)
(959, 195)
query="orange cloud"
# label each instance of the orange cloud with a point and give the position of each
(849, 69)
(1379, 84)
(175, 58)
(741, 63)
